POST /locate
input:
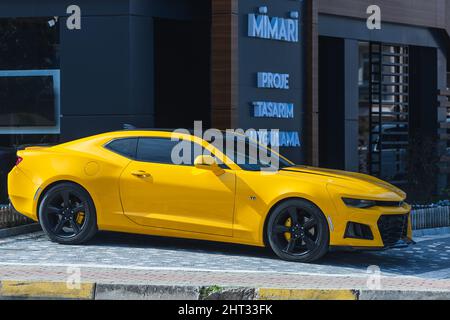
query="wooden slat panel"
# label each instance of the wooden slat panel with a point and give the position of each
(224, 7)
(311, 130)
(224, 63)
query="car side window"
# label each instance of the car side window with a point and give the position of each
(125, 147)
(157, 150)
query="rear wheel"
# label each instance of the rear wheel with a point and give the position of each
(67, 214)
(298, 231)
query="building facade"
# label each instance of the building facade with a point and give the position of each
(341, 94)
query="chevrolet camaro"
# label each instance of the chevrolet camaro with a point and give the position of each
(127, 181)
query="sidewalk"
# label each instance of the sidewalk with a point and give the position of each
(146, 283)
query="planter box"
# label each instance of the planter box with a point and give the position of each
(11, 218)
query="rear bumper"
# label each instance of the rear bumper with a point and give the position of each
(21, 192)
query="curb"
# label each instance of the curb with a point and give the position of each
(15, 231)
(306, 294)
(45, 290)
(98, 291)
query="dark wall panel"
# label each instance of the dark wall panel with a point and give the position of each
(332, 102)
(95, 66)
(423, 122)
(141, 83)
(39, 8)
(350, 28)
(423, 91)
(263, 55)
(182, 72)
(430, 13)
(172, 9)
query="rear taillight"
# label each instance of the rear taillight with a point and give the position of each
(19, 160)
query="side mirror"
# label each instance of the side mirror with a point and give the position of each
(208, 163)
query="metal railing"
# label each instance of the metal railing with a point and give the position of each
(430, 217)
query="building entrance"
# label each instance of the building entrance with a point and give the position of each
(182, 73)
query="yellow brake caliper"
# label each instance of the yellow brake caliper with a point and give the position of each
(288, 224)
(80, 218)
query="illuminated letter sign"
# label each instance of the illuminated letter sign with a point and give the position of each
(289, 139)
(274, 28)
(273, 110)
(270, 80)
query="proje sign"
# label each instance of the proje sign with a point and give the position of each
(274, 28)
(270, 80)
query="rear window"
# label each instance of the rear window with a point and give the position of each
(125, 147)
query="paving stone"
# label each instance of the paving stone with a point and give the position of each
(130, 259)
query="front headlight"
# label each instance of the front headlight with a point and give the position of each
(359, 203)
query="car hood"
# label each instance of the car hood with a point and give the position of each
(357, 181)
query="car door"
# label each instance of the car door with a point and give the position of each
(157, 193)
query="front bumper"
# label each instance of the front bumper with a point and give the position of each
(387, 232)
(401, 244)
(376, 228)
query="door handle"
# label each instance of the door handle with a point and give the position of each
(141, 174)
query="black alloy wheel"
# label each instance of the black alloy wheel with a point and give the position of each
(298, 231)
(67, 214)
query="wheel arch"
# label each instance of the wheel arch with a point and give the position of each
(279, 202)
(55, 183)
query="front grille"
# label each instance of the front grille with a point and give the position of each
(393, 228)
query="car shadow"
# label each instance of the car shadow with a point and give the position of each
(425, 258)
(117, 239)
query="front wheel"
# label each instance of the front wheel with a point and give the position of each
(298, 231)
(67, 214)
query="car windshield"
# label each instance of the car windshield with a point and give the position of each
(252, 156)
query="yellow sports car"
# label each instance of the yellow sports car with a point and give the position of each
(127, 181)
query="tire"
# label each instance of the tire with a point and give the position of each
(67, 214)
(306, 240)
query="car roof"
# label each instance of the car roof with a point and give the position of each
(155, 129)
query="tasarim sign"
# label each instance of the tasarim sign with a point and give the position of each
(281, 110)
(273, 28)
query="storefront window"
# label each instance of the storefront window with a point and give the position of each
(29, 78)
(383, 110)
(29, 44)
